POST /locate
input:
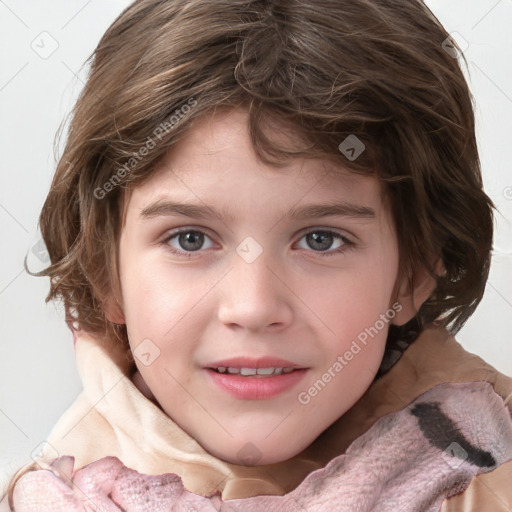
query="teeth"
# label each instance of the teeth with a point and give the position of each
(254, 371)
(265, 371)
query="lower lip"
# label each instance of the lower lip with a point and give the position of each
(256, 388)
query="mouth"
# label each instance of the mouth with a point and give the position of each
(255, 379)
(253, 372)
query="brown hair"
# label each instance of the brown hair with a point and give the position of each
(374, 69)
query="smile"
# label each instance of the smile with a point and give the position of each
(262, 372)
(255, 383)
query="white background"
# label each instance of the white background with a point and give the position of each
(38, 378)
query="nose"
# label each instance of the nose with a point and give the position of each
(255, 296)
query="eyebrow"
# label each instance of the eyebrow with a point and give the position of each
(164, 208)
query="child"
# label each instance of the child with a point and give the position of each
(260, 367)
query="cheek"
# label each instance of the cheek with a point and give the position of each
(156, 296)
(354, 300)
(351, 374)
(355, 313)
(158, 303)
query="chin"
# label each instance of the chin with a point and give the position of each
(251, 454)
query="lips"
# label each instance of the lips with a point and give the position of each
(255, 379)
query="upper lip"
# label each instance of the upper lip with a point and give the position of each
(251, 362)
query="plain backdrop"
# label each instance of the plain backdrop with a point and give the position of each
(43, 47)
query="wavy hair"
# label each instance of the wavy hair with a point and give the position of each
(379, 70)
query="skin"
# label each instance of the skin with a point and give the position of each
(291, 302)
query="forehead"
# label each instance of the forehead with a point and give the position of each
(214, 162)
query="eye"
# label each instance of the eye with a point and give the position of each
(322, 240)
(185, 241)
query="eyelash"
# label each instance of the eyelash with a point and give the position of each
(347, 244)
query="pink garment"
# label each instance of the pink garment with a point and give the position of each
(407, 461)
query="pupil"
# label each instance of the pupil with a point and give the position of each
(318, 237)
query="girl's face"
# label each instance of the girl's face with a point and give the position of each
(230, 268)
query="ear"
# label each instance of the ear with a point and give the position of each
(414, 292)
(113, 311)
